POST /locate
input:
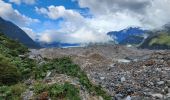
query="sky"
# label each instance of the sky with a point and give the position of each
(83, 21)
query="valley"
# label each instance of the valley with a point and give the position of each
(122, 71)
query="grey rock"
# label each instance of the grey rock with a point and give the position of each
(28, 95)
(48, 74)
(160, 82)
(168, 95)
(102, 78)
(157, 95)
(122, 79)
(118, 96)
(168, 83)
(128, 98)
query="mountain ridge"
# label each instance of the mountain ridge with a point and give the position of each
(12, 31)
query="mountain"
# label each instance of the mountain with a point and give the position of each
(128, 35)
(14, 32)
(160, 40)
(132, 39)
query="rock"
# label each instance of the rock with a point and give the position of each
(48, 74)
(22, 56)
(157, 95)
(122, 79)
(118, 96)
(112, 65)
(123, 61)
(27, 95)
(168, 83)
(28, 82)
(102, 78)
(43, 96)
(31, 88)
(166, 90)
(160, 82)
(48, 80)
(128, 98)
(168, 95)
(149, 63)
(130, 91)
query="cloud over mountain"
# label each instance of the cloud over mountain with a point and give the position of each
(80, 26)
(9, 13)
(108, 15)
(150, 13)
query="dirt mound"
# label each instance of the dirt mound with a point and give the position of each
(96, 57)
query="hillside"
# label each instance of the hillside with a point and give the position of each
(160, 40)
(132, 40)
(14, 32)
(124, 34)
(24, 77)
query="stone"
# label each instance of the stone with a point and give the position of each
(166, 90)
(157, 95)
(48, 74)
(112, 65)
(122, 79)
(123, 61)
(102, 78)
(168, 95)
(28, 95)
(43, 96)
(128, 98)
(28, 82)
(118, 96)
(160, 82)
(168, 83)
(149, 63)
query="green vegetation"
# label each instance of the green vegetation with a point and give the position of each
(12, 92)
(66, 66)
(13, 68)
(16, 69)
(162, 39)
(9, 73)
(64, 91)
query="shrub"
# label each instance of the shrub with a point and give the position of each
(9, 73)
(58, 91)
(12, 92)
(66, 66)
(40, 87)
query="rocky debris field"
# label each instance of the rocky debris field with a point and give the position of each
(125, 73)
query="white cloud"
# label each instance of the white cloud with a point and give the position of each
(74, 29)
(78, 29)
(55, 12)
(108, 15)
(77, 37)
(30, 2)
(157, 14)
(150, 13)
(112, 6)
(30, 32)
(9, 13)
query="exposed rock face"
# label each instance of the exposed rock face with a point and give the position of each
(146, 76)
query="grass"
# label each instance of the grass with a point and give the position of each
(14, 70)
(162, 39)
(66, 66)
(64, 91)
(13, 92)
